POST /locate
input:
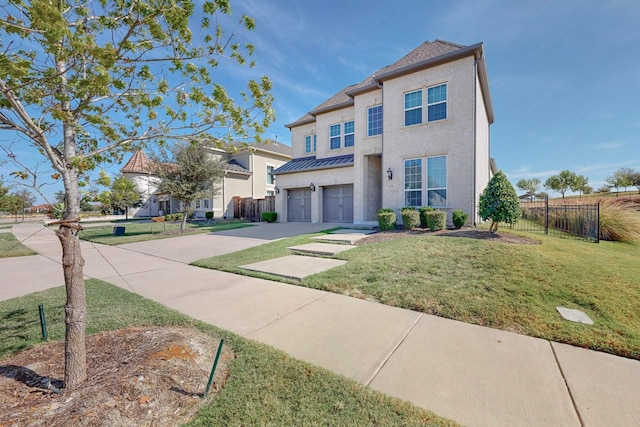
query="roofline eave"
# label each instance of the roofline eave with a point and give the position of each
(475, 49)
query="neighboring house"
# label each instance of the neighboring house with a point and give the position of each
(415, 133)
(248, 173)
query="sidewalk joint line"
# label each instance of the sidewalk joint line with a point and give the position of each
(288, 313)
(564, 378)
(392, 352)
(114, 268)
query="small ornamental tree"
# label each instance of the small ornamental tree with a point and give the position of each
(81, 82)
(499, 202)
(190, 172)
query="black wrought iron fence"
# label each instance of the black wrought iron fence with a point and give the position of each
(570, 220)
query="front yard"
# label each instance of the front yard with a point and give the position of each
(512, 287)
(263, 386)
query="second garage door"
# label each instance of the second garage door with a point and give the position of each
(299, 205)
(337, 203)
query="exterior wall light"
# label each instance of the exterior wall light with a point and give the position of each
(389, 174)
(277, 190)
(312, 187)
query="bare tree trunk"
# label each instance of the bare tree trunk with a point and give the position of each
(75, 361)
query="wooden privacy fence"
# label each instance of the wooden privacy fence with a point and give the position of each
(251, 209)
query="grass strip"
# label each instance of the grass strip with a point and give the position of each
(11, 247)
(144, 231)
(265, 387)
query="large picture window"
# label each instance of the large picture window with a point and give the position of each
(425, 182)
(334, 136)
(374, 120)
(413, 108)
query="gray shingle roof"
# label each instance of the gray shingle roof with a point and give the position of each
(233, 166)
(269, 145)
(425, 55)
(311, 163)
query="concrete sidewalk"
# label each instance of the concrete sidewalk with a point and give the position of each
(474, 375)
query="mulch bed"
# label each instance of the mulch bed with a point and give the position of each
(136, 376)
(466, 232)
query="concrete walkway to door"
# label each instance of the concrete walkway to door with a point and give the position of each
(477, 376)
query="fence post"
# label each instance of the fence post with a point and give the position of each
(546, 214)
(598, 224)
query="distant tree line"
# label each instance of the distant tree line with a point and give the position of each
(567, 180)
(16, 202)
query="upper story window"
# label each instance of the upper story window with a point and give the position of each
(437, 103)
(310, 143)
(374, 120)
(349, 134)
(334, 136)
(413, 108)
(271, 179)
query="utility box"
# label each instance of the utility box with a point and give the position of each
(118, 231)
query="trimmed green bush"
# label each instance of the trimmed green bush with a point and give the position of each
(174, 217)
(208, 215)
(423, 215)
(436, 220)
(386, 219)
(410, 217)
(269, 216)
(459, 218)
(499, 202)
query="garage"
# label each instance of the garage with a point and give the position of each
(337, 203)
(299, 205)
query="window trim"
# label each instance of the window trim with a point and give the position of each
(418, 107)
(335, 137)
(310, 144)
(377, 128)
(270, 176)
(433, 104)
(428, 188)
(352, 133)
(424, 181)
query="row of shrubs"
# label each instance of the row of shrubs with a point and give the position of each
(425, 217)
(169, 217)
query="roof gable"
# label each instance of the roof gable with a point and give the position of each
(428, 54)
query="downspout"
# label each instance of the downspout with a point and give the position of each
(382, 170)
(475, 136)
(253, 175)
(224, 196)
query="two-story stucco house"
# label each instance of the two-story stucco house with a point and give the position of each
(248, 173)
(415, 133)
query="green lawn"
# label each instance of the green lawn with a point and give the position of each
(10, 246)
(143, 231)
(265, 386)
(504, 286)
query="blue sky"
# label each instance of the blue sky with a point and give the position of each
(564, 75)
